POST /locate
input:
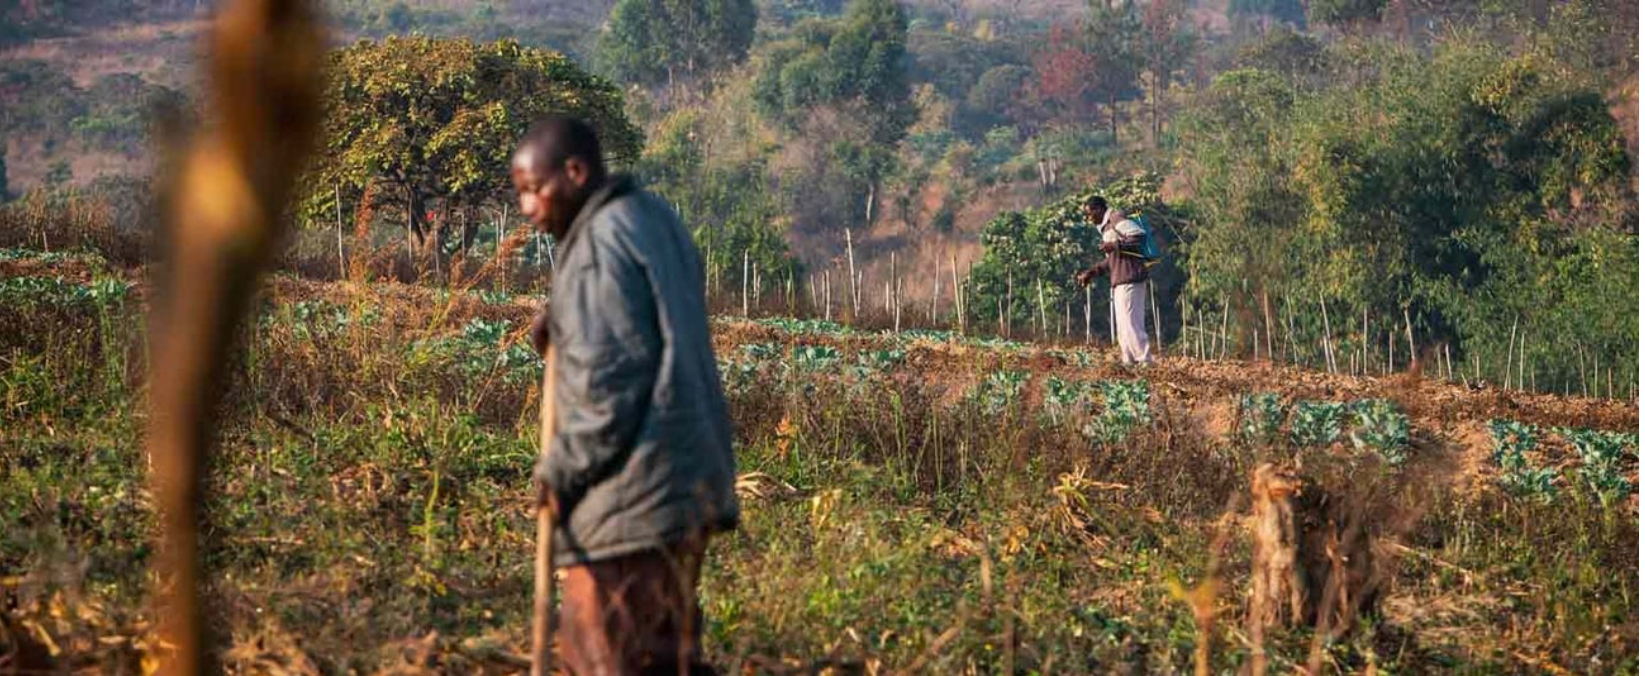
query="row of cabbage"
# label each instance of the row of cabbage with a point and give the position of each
(1370, 425)
(1599, 467)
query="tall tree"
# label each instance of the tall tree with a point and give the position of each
(426, 126)
(1166, 48)
(856, 67)
(654, 42)
(1113, 35)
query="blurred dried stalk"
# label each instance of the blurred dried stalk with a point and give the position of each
(225, 213)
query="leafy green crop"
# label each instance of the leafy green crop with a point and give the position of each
(933, 335)
(1000, 391)
(1316, 423)
(1602, 454)
(1511, 442)
(1064, 398)
(815, 357)
(1380, 426)
(101, 292)
(483, 348)
(1124, 407)
(1260, 416)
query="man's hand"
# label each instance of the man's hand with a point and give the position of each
(544, 496)
(1084, 277)
(539, 332)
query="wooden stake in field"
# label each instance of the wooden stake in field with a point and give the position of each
(1330, 354)
(1410, 338)
(1159, 336)
(1087, 314)
(1040, 290)
(828, 298)
(1508, 367)
(851, 275)
(936, 287)
(1224, 354)
(959, 300)
(745, 282)
(1268, 322)
(262, 106)
(1365, 340)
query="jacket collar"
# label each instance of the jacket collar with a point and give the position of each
(614, 187)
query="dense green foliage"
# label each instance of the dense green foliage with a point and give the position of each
(1477, 190)
(1032, 255)
(425, 126)
(653, 42)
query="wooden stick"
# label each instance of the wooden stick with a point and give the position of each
(262, 113)
(1268, 322)
(1365, 340)
(1330, 354)
(1410, 338)
(851, 275)
(1159, 336)
(1040, 290)
(745, 282)
(1224, 354)
(1522, 340)
(542, 605)
(1508, 367)
(1087, 314)
(828, 298)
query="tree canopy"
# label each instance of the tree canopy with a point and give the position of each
(651, 42)
(425, 126)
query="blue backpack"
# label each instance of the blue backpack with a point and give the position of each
(1149, 251)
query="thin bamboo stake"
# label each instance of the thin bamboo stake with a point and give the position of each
(1390, 370)
(1040, 290)
(1508, 367)
(1159, 336)
(851, 274)
(1268, 322)
(936, 289)
(1522, 340)
(745, 282)
(342, 263)
(1410, 337)
(954, 274)
(1330, 354)
(1224, 354)
(1365, 340)
(1290, 331)
(828, 297)
(1088, 314)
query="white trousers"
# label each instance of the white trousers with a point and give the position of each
(1130, 300)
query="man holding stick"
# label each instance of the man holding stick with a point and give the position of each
(1127, 270)
(638, 468)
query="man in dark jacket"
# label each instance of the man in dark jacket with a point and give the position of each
(1127, 277)
(639, 469)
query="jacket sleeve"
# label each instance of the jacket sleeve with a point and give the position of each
(1101, 267)
(608, 349)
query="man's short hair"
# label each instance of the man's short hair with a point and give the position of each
(1096, 202)
(553, 140)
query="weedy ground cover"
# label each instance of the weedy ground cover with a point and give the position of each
(370, 509)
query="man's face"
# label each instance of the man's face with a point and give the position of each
(1094, 214)
(549, 198)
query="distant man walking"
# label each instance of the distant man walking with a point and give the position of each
(639, 468)
(1127, 270)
